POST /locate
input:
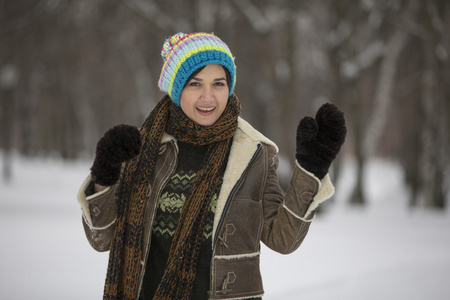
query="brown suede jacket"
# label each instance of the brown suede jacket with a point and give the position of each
(251, 208)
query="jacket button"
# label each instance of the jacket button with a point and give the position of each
(230, 229)
(95, 211)
(306, 197)
(231, 278)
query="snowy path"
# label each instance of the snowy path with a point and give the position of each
(383, 252)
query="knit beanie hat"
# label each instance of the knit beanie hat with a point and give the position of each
(183, 54)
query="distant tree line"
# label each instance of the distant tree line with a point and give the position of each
(70, 69)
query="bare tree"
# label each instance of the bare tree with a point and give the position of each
(434, 137)
(8, 81)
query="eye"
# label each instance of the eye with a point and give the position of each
(220, 83)
(194, 83)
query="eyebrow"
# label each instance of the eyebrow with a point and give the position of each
(217, 79)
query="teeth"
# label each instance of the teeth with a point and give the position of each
(205, 109)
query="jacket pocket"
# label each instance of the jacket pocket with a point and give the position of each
(242, 227)
(236, 277)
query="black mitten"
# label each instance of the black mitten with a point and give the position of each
(119, 144)
(319, 140)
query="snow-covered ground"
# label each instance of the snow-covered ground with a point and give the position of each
(382, 251)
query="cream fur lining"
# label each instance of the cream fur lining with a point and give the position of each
(167, 138)
(297, 216)
(238, 256)
(84, 201)
(325, 191)
(252, 297)
(98, 228)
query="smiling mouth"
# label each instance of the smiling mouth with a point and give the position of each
(205, 109)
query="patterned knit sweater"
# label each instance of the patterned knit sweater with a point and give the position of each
(170, 204)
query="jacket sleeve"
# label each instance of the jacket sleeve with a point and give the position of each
(99, 214)
(287, 216)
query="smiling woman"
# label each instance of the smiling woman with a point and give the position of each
(183, 203)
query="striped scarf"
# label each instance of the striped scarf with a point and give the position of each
(126, 250)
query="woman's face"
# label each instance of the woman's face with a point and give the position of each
(205, 96)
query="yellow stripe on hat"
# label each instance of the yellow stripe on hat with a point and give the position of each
(188, 55)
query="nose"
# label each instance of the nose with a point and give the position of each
(208, 94)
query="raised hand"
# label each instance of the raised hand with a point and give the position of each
(319, 140)
(119, 144)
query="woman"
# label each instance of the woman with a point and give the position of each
(183, 203)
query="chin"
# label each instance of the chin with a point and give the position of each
(207, 122)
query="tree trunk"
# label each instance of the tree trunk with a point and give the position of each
(385, 86)
(433, 160)
(8, 80)
(6, 117)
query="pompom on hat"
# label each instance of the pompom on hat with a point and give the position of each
(183, 54)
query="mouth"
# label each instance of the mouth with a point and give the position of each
(205, 110)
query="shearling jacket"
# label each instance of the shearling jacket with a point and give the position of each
(251, 207)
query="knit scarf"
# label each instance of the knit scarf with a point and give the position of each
(126, 250)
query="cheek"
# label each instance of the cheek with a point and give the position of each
(223, 101)
(186, 103)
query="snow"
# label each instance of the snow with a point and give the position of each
(381, 251)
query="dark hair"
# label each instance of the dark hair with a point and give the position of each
(227, 75)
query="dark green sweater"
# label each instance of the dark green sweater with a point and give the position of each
(170, 204)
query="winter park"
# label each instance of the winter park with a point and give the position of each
(71, 71)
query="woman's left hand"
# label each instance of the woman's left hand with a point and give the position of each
(319, 140)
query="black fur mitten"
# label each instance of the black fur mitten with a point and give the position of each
(119, 144)
(319, 140)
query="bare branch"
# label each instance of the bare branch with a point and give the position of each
(254, 16)
(352, 68)
(151, 12)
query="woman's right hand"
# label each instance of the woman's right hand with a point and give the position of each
(119, 144)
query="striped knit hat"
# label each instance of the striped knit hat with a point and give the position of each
(185, 53)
